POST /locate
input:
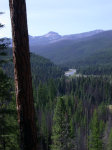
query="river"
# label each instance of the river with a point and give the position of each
(70, 72)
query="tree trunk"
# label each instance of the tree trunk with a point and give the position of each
(22, 72)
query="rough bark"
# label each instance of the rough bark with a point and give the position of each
(22, 72)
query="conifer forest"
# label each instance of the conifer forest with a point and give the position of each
(42, 108)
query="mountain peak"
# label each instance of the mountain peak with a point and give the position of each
(52, 34)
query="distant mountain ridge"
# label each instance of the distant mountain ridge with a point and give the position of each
(75, 50)
(53, 37)
(94, 47)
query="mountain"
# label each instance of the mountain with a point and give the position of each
(82, 35)
(74, 50)
(45, 39)
(53, 37)
(93, 48)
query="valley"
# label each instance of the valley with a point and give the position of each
(73, 51)
(56, 75)
(81, 51)
(69, 103)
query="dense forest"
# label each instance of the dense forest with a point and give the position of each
(76, 113)
(72, 113)
(42, 68)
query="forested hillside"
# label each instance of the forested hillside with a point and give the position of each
(73, 51)
(71, 113)
(77, 111)
(70, 110)
(42, 68)
(89, 55)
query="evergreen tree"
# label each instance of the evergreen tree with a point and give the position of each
(95, 138)
(8, 116)
(52, 89)
(61, 129)
(22, 72)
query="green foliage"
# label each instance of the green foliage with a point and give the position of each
(8, 117)
(95, 139)
(68, 110)
(60, 131)
(66, 120)
(80, 97)
(42, 68)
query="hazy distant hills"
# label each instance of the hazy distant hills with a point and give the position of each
(76, 48)
(94, 47)
(53, 37)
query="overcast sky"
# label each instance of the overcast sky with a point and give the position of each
(62, 16)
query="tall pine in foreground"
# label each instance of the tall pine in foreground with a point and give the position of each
(22, 73)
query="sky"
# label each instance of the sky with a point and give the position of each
(62, 16)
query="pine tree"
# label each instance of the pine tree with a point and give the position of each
(61, 129)
(22, 72)
(95, 138)
(8, 116)
(52, 89)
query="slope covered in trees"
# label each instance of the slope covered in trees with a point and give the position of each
(90, 55)
(73, 113)
(9, 130)
(42, 68)
(9, 133)
(72, 51)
